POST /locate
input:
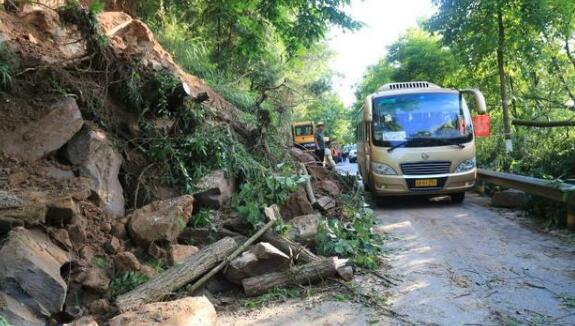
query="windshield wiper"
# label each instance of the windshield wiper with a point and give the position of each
(403, 143)
(451, 142)
(432, 140)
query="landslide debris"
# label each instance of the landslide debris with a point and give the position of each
(117, 168)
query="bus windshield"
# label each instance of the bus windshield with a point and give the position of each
(423, 119)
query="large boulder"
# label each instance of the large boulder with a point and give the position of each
(18, 314)
(301, 155)
(304, 228)
(214, 190)
(263, 258)
(37, 139)
(190, 311)
(161, 220)
(30, 271)
(26, 5)
(92, 152)
(328, 187)
(297, 204)
(510, 198)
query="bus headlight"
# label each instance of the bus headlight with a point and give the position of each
(465, 166)
(382, 169)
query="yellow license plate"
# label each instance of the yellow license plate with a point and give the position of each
(426, 183)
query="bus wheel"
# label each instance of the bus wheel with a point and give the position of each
(366, 185)
(458, 197)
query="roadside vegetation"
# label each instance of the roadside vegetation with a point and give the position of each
(521, 55)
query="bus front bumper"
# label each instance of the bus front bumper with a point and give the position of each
(402, 185)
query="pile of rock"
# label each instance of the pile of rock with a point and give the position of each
(64, 189)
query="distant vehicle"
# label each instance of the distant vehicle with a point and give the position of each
(353, 155)
(418, 138)
(303, 135)
(346, 149)
(336, 153)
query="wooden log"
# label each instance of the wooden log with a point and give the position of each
(273, 215)
(178, 276)
(308, 273)
(293, 249)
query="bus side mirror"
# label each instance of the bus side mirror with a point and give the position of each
(479, 100)
(482, 125)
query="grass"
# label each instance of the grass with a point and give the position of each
(101, 262)
(126, 282)
(277, 294)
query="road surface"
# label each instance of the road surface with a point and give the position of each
(465, 264)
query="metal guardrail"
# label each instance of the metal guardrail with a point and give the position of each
(560, 192)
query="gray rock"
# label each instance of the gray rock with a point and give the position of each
(93, 153)
(214, 190)
(510, 198)
(10, 200)
(325, 203)
(39, 138)
(262, 258)
(18, 314)
(30, 271)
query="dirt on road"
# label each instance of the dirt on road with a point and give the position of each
(453, 264)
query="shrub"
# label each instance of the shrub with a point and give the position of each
(126, 282)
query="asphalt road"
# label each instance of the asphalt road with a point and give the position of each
(471, 264)
(452, 264)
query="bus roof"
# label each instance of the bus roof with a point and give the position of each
(410, 88)
(302, 123)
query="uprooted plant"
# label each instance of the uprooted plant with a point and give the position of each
(352, 235)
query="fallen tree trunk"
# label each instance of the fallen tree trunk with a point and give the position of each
(298, 252)
(308, 273)
(178, 276)
(544, 124)
(273, 214)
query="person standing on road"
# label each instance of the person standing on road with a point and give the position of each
(320, 142)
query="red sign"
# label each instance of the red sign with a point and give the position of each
(482, 125)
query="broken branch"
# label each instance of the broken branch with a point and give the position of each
(177, 276)
(273, 214)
